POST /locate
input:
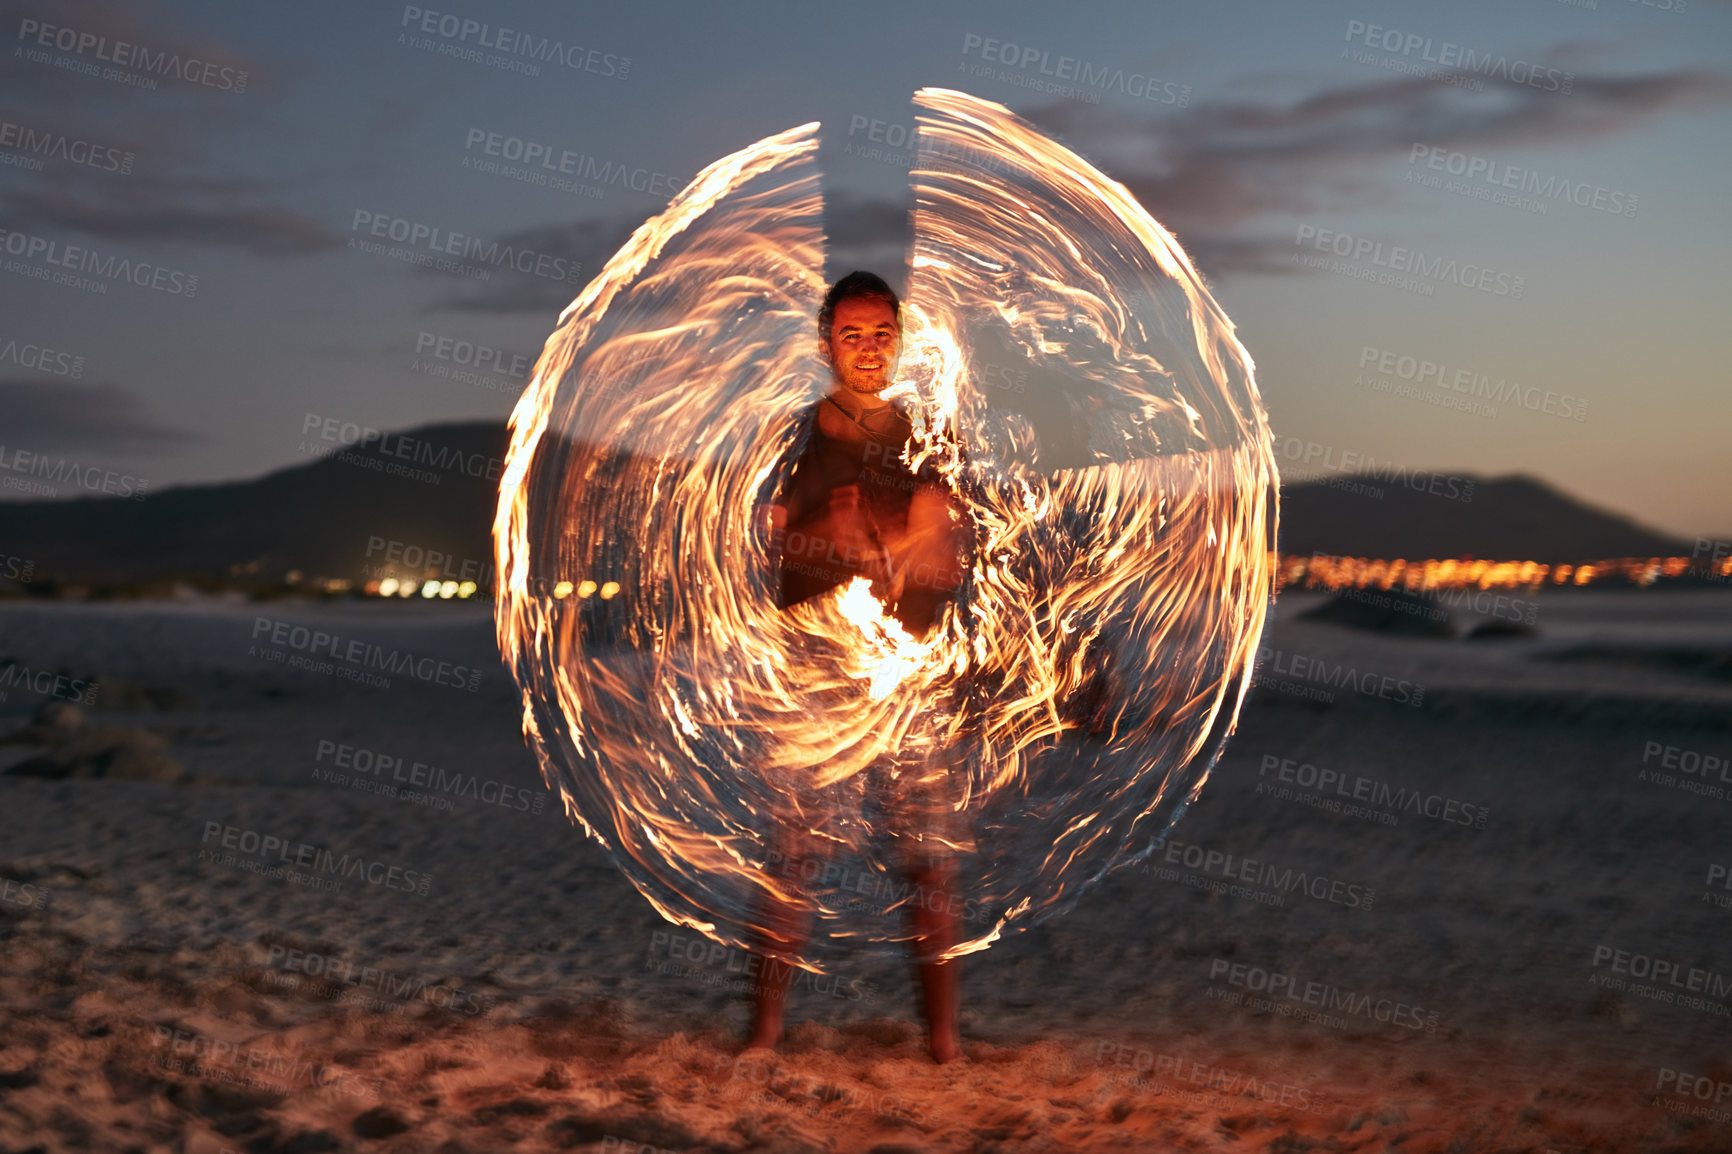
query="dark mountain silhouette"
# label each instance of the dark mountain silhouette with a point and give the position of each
(1513, 518)
(319, 518)
(339, 517)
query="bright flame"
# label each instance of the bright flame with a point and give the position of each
(886, 654)
(1121, 505)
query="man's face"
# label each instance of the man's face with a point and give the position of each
(863, 342)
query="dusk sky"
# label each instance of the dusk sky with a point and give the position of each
(1568, 161)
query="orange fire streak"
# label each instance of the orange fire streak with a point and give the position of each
(1122, 508)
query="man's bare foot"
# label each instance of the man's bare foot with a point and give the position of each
(935, 931)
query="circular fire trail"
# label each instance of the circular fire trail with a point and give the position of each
(1082, 396)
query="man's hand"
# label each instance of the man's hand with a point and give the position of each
(929, 554)
(841, 533)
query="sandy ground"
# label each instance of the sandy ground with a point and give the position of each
(1543, 963)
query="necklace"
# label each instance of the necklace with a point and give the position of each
(874, 433)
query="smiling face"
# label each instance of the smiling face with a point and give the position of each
(863, 344)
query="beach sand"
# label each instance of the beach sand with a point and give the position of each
(1542, 962)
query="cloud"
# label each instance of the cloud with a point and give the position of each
(872, 234)
(171, 212)
(589, 243)
(863, 233)
(179, 132)
(171, 197)
(1218, 175)
(154, 28)
(48, 417)
(1224, 174)
(855, 220)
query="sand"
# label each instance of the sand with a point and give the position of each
(485, 980)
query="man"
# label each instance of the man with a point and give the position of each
(853, 509)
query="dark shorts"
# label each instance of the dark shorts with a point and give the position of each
(916, 795)
(917, 805)
(920, 804)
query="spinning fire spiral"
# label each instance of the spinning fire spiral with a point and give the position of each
(1069, 702)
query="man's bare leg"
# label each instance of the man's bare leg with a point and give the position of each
(785, 931)
(772, 986)
(935, 932)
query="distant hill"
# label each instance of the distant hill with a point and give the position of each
(319, 518)
(346, 517)
(1507, 519)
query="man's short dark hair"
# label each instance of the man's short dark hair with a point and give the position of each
(856, 284)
